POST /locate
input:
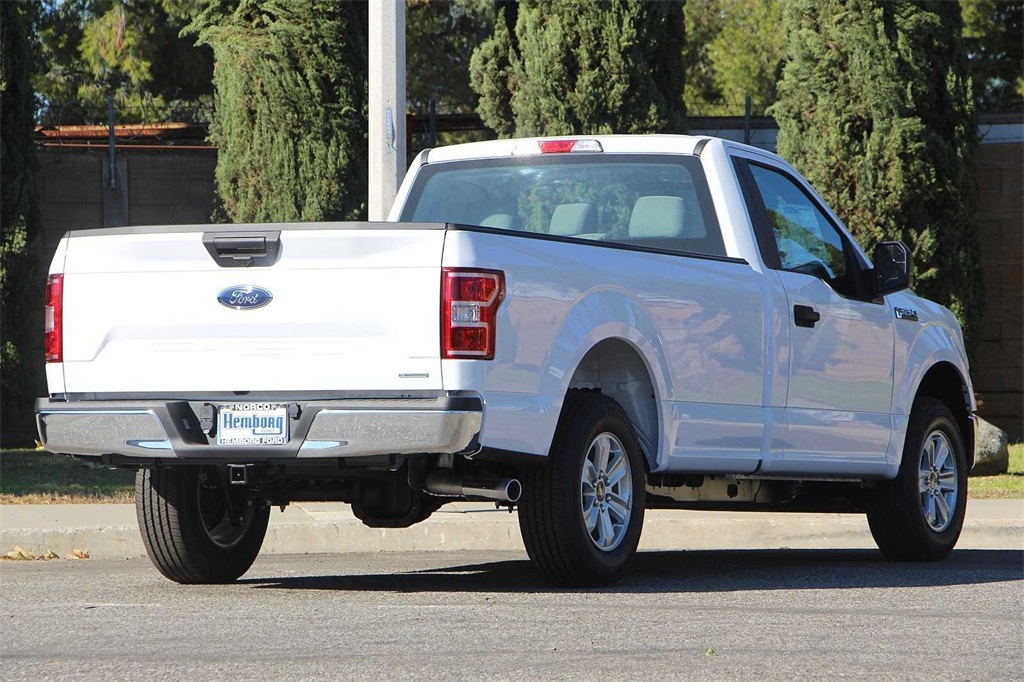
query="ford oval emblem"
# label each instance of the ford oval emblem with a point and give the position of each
(244, 297)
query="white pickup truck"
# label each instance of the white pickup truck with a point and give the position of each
(584, 328)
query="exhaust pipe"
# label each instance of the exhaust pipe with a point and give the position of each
(447, 484)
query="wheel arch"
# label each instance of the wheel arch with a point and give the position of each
(617, 368)
(944, 382)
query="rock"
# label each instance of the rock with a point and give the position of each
(19, 555)
(991, 452)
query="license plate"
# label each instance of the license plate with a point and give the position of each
(252, 424)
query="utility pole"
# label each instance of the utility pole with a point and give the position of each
(386, 105)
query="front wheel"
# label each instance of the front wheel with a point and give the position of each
(197, 528)
(918, 515)
(581, 515)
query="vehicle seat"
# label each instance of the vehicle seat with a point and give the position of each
(658, 217)
(502, 220)
(573, 220)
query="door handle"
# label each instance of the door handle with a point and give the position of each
(805, 316)
(243, 249)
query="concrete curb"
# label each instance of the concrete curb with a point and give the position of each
(110, 531)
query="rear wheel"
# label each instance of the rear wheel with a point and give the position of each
(582, 514)
(918, 515)
(196, 527)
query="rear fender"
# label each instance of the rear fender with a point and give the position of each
(601, 315)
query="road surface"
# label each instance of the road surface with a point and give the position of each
(775, 615)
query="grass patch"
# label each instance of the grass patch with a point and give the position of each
(1010, 484)
(39, 477)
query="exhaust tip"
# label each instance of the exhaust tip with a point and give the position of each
(513, 490)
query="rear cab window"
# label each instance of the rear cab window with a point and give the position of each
(656, 201)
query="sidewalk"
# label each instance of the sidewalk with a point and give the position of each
(110, 531)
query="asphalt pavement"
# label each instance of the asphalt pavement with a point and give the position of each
(725, 614)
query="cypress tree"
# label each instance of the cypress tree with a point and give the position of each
(21, 276)
(289, 107)
(575, 66)
(875, 109)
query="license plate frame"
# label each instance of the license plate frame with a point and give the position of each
(252, 424)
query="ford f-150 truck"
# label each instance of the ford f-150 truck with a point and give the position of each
(583, 328)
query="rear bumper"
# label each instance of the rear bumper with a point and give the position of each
(171, 430)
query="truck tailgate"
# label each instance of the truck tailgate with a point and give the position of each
(354, 308)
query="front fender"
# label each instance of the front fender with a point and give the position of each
(920, 345)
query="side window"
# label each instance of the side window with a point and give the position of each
(807, 241)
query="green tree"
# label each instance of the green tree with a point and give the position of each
(747, 52)
(875, 108)
(703, 19)
(994, 37)
(132, 47)
(734, 48)
(572, 66)
(290, 107)
(20, 275)
(440, 38)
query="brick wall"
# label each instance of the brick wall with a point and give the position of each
(998, 371)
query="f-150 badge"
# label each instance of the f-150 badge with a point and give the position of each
(244, 297)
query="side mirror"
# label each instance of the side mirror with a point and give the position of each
(893, 263)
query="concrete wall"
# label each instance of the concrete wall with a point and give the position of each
(998, 370)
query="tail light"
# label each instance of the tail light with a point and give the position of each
(53, 339)
(469, 308)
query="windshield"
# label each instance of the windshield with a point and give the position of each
(658, 201)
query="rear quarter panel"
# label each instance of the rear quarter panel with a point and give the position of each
(697, 324)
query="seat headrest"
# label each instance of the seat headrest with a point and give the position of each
(657, 216)
(571, 219)
(502, 220)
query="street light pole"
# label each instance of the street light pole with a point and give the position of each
(386, 104)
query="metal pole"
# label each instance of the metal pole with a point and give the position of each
(746, 120)
(432, 135)
(386, 105)
(110, 140)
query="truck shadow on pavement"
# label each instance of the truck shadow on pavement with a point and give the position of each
(689, 571)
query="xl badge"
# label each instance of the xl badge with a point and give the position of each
(244, 297)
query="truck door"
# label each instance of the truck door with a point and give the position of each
(841, 339)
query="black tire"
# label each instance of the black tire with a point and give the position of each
(176, 508)
(551, 515)
(896, 510)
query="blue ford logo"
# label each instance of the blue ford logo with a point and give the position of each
(244, 297)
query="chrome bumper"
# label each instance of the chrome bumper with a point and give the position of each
(171, 430)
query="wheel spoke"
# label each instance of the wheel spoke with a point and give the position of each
(929, 508)
(922, 483)
(619, 507)
(618, 469)
(590, 516)
(943, 509)
(947, 481)
(603, 450)
(588, 500)
(606, 532)
(941, 453)
(931, 452)
(589, 473)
